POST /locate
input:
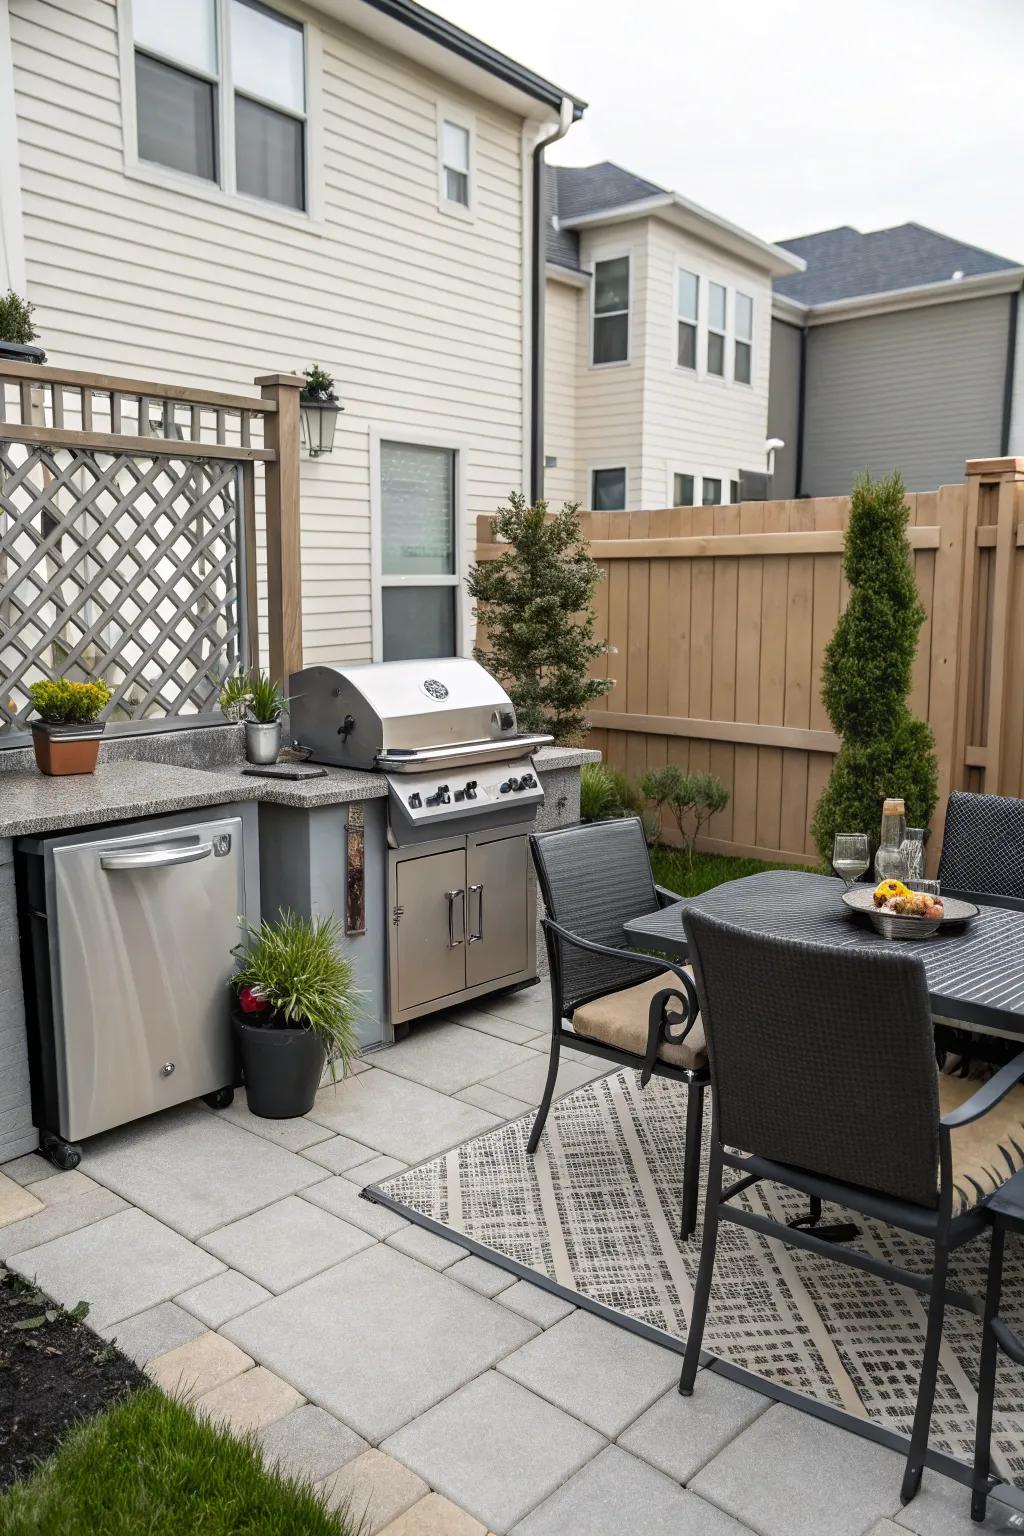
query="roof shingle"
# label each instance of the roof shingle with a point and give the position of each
(843, 263)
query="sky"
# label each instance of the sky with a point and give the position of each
(788, 116)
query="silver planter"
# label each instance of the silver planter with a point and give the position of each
(262, 742)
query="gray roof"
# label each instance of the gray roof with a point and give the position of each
(572, 190)
(843, 263)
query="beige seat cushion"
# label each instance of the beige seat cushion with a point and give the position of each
(988, 1152)
(622, 1018)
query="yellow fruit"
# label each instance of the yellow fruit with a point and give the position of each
(889, 889)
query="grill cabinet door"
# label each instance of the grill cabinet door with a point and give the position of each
(431, 934)
(499, 909)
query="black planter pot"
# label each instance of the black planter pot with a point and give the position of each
(282, 1067)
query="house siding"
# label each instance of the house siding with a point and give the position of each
(565, 313)
(610, 398)
(418, 314)
(784, 405)
(920, 390)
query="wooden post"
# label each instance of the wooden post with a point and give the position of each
(284, 538)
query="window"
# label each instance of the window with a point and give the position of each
(608, 490)
(419, 551)
(190, 90)
(710, 492)
(611, 311)
(716, 330)
(688, 292)
(744, 343)
(682, 490)
(455, 172)
(734, 491)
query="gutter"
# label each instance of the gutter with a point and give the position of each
(566, 118)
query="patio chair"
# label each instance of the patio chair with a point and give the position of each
(622, 1008)
(1005, 1212)
(823, 1071)
(983, 847)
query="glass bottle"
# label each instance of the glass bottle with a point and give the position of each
(889, 858)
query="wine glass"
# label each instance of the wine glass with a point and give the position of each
(850, 856)
(912, 852)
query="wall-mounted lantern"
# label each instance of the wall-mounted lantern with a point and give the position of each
(318, 411)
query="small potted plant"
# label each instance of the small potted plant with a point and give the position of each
(293, 1009)
(17, 331)
(318, 409)
(66, 737)
(256, 700)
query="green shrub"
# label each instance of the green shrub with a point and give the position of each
(867, 676)
(64, 702)
(318, 386)
(16, 319)
(296, 968)
(534, 601)
(690, 798)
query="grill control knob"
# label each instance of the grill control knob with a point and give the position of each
(503, 789)
(528, 781)
(415, 800)
(471, 789)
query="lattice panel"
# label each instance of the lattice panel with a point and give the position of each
(123, 567)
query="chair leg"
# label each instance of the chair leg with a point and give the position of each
(691, 1160)
(549, 1090)
(929, 1372)
(987, 1381)
(705, 1270)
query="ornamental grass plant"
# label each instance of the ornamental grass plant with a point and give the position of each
(293, 973)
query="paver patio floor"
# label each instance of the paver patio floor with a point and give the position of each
(438, 1394)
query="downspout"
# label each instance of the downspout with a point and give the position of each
(539, 232)
(801, 407)
(1011, 369)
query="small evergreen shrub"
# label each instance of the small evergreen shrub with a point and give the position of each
(318, 386)
(534, 601)
(867, 676)
(690, 798)
(16, 319)
(67, 703)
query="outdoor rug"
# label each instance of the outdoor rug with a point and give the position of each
(595, 1213)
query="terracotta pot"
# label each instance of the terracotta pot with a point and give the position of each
(66, 748)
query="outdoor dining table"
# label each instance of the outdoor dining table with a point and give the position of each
(975, 971)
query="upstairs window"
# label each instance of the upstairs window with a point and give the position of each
(711, 492)
(682, 490)
(608, 490)
(455, 142)
(232, 116)
(744, 343)
(611, 311)
(716, 330)
(687, 296)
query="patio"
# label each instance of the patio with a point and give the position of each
(236, 1257)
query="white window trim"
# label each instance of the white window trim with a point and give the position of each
(670, 493)
(399, 432)
(608, 464)
(702, 284)
(224, 192)
(614, 254)
(737, 339)
(448, 112)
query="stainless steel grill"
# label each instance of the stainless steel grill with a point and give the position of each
(463, 793)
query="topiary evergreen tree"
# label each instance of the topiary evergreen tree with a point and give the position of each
(535, 603)
(16, 319)
(867, 676)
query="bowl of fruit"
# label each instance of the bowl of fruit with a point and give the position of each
(897, 912)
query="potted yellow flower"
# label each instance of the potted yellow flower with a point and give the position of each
(66, 737)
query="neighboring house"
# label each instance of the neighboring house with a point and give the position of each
(657, 343)
(202, 191)
(895, 349)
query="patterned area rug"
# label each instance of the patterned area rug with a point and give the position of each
(597, 1212)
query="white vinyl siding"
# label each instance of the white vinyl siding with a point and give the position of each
(609, 400)
(419, 316)
(566, 307)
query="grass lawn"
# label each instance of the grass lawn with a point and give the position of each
(673, 870)
(149, 1467)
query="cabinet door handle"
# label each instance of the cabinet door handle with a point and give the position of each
(475, 935)
(453, 896)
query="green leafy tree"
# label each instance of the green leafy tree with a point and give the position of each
(867, 675)
(690, 798)
(16, 319)
(534, 602)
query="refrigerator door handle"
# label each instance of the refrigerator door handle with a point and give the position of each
(155, 858)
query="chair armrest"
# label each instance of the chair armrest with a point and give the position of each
(667, 898)
(656, 962)
(987, 1096)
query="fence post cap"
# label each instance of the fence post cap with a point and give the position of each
(1003, 466)
(281, 380)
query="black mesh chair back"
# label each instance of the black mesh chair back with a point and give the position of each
(821, 1057)
(592, 878)
(983, 845)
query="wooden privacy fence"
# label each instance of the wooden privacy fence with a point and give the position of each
(718, 618)
(129, 535)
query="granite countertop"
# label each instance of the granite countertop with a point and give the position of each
(120, 790)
